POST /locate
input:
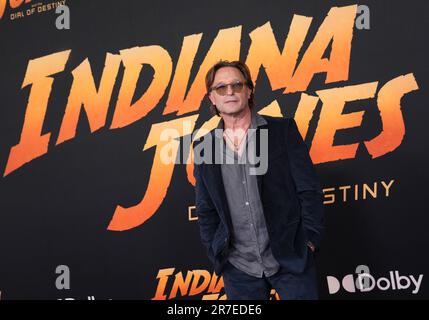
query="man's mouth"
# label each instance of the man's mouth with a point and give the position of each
(230, 101)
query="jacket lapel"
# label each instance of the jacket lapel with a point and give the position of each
(258, 152)
(216, 188)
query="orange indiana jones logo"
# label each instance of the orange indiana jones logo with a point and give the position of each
(282, 69)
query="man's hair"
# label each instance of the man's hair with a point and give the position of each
(234, 64)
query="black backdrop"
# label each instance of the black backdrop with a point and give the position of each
(55, 209)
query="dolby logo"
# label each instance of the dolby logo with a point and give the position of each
(365, 282)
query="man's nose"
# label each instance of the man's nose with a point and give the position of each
(229, 90)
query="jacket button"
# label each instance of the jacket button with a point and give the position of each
(226, 239)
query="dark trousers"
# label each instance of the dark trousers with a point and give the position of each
(241, 286)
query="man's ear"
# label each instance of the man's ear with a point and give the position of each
(249, 93)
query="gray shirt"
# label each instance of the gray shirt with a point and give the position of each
(250, 247)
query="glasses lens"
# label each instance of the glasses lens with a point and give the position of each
(221, 90)
(237, 87)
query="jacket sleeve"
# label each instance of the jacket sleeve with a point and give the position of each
(208, 219)
(307, 184)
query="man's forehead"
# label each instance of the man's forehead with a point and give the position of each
(227, 74)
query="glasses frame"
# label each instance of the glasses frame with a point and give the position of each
(222, 89)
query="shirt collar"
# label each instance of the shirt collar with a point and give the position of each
(257, 121)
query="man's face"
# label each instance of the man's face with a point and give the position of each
(232, 102)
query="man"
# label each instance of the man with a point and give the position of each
(260, 230)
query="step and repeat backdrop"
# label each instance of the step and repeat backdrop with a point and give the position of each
(88, 210)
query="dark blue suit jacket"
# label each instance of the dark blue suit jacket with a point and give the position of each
(290, 192)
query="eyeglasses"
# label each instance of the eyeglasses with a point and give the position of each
(222, 89)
